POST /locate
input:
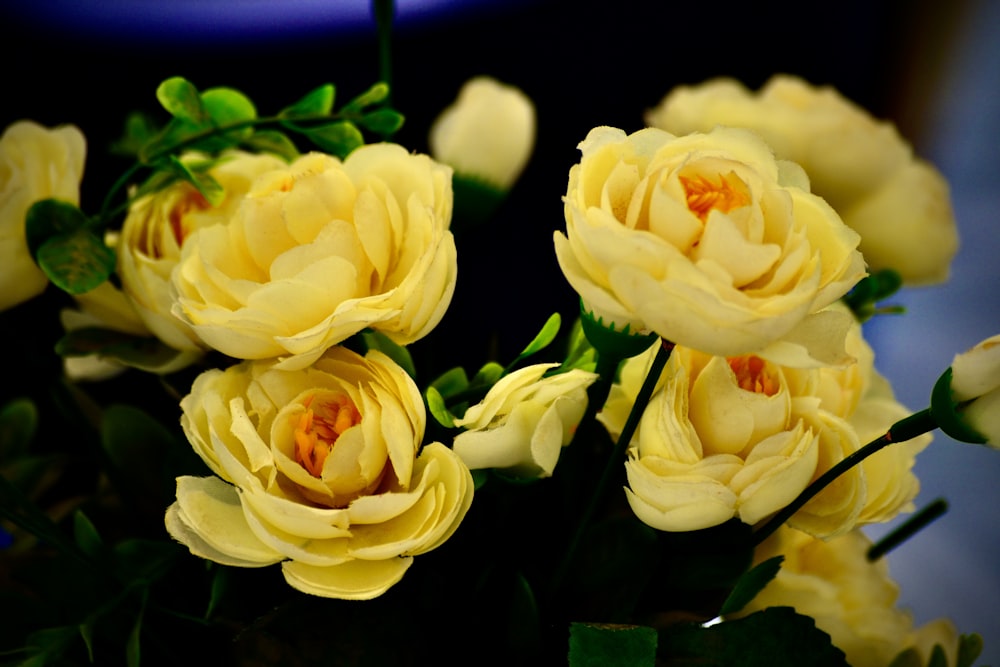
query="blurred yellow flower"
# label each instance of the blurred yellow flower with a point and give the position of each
(898, 203)
(487, 134)
(35, 163)
(318, 469)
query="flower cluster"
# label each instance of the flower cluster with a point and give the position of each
(715, 401)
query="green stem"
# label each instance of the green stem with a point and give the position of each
(908, 529)
(617, 456)
(384, 11)
(903, 430)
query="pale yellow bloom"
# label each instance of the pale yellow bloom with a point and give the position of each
(318, 251)
(488, 133)
(157, 226)
(742, 437)
(850, 598)
(317, 469)
(975, 381)
(708, 241)
(35, 163)
(862, 166)
(524, 421)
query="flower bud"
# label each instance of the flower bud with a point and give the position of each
(487, 134)
(966, 399)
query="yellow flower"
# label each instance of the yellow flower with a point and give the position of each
(157, 226)
(708, 241)
(742, 436)
(524, 421)
(851, 599)
(898, 203)
(318, 251)
(319, 471)
(35, 163)
(727, 437)
(488, 133)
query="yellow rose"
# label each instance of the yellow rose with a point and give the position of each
(156, 227)
(319, 471)
(524, 421)
(851, 598)
(708, 241)
(727, 437)
(320, 250)
(899, 204)
(107, 308)
(488, 133)
(35, 163)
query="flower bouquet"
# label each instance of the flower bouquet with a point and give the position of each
(265, 436)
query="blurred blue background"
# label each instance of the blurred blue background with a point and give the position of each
(933, 67)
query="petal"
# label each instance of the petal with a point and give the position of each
(354, 580)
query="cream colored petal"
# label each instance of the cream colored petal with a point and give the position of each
(208, 519)
(354, 580)
(677, 503)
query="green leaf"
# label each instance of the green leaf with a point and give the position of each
(451, 382)
(181, 99)
(139, 130)
(220, 584)
(87, 633)
(542, 340)
(18, 425)
(76, 262)
(146, 561)
(969, 648)
(272, 141)
(137, 445)
(145, 353)
(385, 122)
(593, 645)
(377, 93)
(488, 375)
(225, 107)
(317, 102)
(376, 340)
(522, 618)
(338, 138)
(208, 187)
(49, 218)
(86, 535)
(772, 637)
(132, 647)
(750, 584)
(436, 406)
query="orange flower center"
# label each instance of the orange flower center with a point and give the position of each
(194, 200)
(751, 375)
(703, 195)
(317, 430)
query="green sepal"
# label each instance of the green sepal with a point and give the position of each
(317, 102)
(376, 340)
(181, 100)
(611, 342)
(606, 645)
(76, 262)
(18, 425)
(272, 141)
(871, 289)
(438, 408)
(338, 138)
(750, 584)
(948, 414)
(475, 200)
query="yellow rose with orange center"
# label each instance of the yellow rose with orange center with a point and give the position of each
(899, 204)
(318, 251)
(319, 469)
(708, 241)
